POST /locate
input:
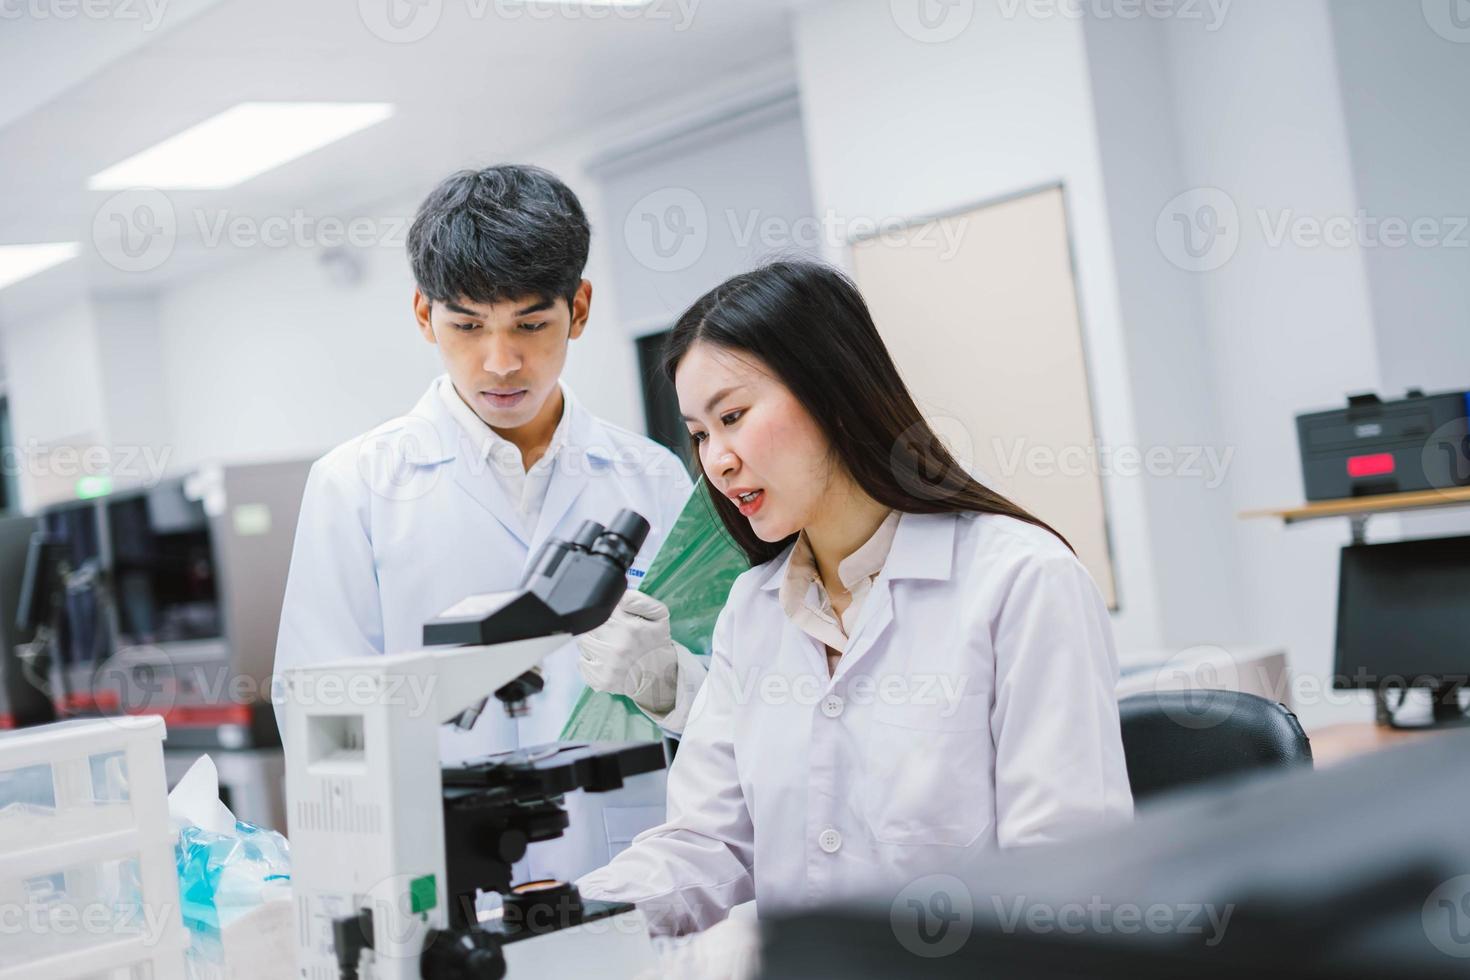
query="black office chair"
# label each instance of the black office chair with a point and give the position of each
(1176, 739)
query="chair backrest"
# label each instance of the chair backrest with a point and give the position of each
(1174, 739)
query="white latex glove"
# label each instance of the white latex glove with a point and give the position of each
(633, 654)
(728, 950)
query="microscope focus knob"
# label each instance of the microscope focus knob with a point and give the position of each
(461, 954)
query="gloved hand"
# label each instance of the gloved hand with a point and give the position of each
(728, 950)
(634, 654)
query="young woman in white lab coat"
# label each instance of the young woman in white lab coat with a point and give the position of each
(916, 670)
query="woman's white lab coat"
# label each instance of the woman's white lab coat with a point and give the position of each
(974, 707)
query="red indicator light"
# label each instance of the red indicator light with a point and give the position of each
(1374, 465)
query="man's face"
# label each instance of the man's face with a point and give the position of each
(504, 358)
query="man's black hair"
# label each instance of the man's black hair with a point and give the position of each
(497, 234)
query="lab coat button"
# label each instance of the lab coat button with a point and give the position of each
(830, 841)
(832, 706)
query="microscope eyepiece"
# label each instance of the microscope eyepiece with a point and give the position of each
(572, 586)
(587, 535)
(622, 538)
(631, 527)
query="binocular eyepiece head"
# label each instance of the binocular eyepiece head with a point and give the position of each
(618, 541)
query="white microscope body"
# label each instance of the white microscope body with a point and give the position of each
(366, 799)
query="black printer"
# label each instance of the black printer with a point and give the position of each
(1420, 442)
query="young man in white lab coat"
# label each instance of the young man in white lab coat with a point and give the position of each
(496, 458)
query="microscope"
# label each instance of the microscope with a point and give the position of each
(390, 848)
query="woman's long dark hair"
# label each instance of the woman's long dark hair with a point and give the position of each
(808, 323)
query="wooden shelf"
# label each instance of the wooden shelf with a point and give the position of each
(1364, 506)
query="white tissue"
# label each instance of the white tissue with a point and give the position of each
(195, 800)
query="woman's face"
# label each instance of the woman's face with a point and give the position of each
(757, 444)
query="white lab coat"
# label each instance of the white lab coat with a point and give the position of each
(402, 522)
(973, 708)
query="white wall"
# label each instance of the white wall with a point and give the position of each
(87, 396)
(690, 211)
(130, 350)
(54, 383)
(899, 127)
(1166, 338)
(1259, 117)
(269, 359)
(1408, 126)
(39, 354)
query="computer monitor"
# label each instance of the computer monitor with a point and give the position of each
(25, 688)
(65, 541)
(40, 583)
(1403, 619)
(163, 567)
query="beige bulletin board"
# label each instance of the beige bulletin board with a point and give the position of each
(980, 311)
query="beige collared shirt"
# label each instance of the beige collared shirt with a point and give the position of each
(805, 601)
(525, 488)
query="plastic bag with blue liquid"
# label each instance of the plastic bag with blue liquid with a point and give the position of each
(234, 885)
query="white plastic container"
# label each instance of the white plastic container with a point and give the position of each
(88, 885)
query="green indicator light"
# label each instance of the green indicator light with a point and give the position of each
(93, 486)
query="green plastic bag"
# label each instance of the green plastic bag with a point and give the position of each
(691, 574)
